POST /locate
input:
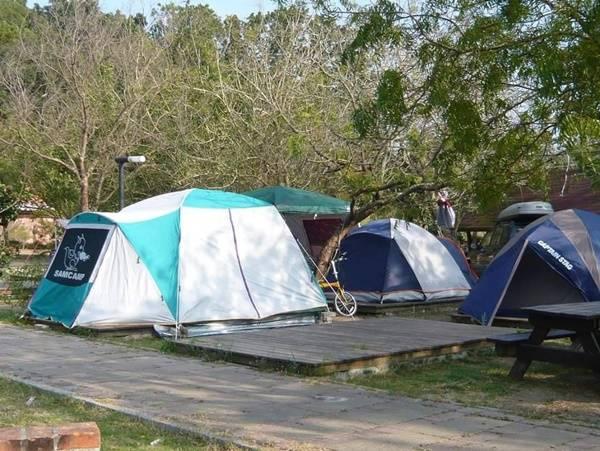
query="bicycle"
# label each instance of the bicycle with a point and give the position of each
(344, 302)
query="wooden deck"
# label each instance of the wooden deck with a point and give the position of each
(341, 346)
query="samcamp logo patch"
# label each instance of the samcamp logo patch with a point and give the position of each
(77, 256)
(73, 255)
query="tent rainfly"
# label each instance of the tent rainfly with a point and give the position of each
(460, 258)
(312, 217)
(551, 261)
(391, 260)
(186, 257)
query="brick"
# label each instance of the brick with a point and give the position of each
(10, 438)
(39, 438)
(40, 444)
(80, 436)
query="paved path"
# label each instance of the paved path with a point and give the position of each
(264, 409)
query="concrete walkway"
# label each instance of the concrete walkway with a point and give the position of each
(264, 409)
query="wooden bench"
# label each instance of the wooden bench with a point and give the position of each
(506, 345)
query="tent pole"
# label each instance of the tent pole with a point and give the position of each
(177, 318)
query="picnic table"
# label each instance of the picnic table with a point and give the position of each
(581, 319)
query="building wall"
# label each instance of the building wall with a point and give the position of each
(565, 191)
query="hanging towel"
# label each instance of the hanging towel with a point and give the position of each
(446, 217)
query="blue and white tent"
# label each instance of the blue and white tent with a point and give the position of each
(391, 260)
(552, 260)
(186, 257)
(460, 258)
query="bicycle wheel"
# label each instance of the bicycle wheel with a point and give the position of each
(345, 304)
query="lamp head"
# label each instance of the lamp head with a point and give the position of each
(139, 159)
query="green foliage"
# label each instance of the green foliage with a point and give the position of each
(514, 82)
(390, 98)
(465, 126)
(387, 109)
(296, 144)
(22, 281)
(191, 32)
(536, 51)
(7, 253)
(581, 137)
(376, 24)
(9, 205)
(13, 14)
(475, 96)
(515, 11)
(364, 120)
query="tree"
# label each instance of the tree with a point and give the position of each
(9, 209)
(80, 92)
(443, 114)
(272, 110)
(382, 105)
(533, 61)
(13, 15)
(191, 34)
(13, 23)
(290, 112)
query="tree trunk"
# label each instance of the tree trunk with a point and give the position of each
(332, 244)
(4, 226)
(84, 194)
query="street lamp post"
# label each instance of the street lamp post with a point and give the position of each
(122, 161)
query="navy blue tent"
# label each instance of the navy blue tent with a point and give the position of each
(461, 260)
(553, 260)
(395, 261)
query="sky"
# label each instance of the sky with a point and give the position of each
(241, 8)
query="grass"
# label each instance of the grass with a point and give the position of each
(11, 314)
(438, 312)
(118, 431)
(146, 342)
(481, 380)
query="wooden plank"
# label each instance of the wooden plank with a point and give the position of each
(521, 337)
(581, 310)
(537, 336)
(562, 356)
(385, 341)
(564, 322)
(344, 344)
(329, 367)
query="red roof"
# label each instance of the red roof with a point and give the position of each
(574, 192)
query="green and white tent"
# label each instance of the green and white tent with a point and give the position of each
(301, 202)
(187, 257)
(312, 217)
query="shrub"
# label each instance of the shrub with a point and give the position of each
(22, 281)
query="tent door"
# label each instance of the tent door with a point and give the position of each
(536, 283)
